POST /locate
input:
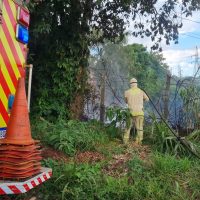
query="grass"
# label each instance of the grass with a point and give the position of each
(160, 176)
(72, 136)
(164, 178)
(111, 148)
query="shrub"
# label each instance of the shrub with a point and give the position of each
(165, 142)
(71, 136)
(119, 119)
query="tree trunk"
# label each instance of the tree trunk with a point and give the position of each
(77, 106)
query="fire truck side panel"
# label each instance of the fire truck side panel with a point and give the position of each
(12, 58)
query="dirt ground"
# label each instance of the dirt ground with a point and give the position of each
(117, 167)
(48, 152)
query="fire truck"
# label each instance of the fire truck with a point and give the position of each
(14, 37)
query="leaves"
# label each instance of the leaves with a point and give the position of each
(167, 143)
(73, 136)
(62, 32)
(119, 116)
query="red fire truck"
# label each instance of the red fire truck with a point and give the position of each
(14, 36)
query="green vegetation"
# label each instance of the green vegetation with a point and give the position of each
(123, 172)
(119, 115)
(120, 62)
(191, 104)
(62, 34)
(167, 178)
(165, 141)
(72, 136)
(148, 67)
(164, 177)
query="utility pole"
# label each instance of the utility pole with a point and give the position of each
(166, 96)
(196, 59)
(179, 71)
(196, 65)
(196, 72)
(102, 97)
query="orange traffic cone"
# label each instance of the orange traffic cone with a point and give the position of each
(20, 155)
(19, 131)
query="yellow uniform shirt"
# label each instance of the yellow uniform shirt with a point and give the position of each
(135, 98)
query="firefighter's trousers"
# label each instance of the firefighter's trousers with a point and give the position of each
(138, 122)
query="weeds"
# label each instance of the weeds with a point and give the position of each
(161, 177)
(71, 136)
(119, 116)
(120, 119)
(165, 142)
(170, 164)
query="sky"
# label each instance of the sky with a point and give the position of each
(180, 57)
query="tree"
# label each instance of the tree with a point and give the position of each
(113, 65)
(148, 67)
(63, 31)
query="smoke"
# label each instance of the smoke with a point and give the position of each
(109, 67)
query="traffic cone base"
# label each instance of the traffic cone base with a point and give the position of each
(18, 164)
(19, 154)
(20, 151)
(19, 168)
(18, 148)
(15, 160)
(16, 177)
(24, 171)
(24, 157)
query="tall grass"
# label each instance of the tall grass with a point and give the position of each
(165, 142)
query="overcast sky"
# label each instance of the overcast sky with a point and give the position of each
(180, 57)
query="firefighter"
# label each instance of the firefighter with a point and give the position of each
(135, 97)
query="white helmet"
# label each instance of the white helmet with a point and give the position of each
(133, 80)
